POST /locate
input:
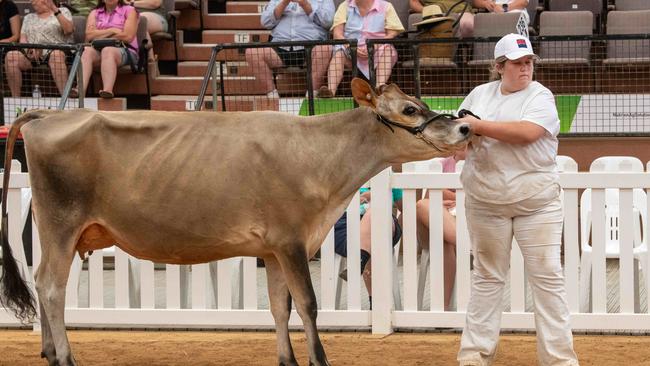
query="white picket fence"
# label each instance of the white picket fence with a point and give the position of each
(224, 294)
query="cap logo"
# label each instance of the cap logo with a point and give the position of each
(521, 43)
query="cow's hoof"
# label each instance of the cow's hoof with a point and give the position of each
(288, 363)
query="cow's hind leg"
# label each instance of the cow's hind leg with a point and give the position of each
(47, 343)
(51, 281)
(280, 301)
(295, 267)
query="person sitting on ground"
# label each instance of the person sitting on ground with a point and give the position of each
(292, 20)
(341, 235)
(362, 20)
(156, 15)
(110, 19)
(466, 23)
(9, 22)
(49, 24)
(448, 226)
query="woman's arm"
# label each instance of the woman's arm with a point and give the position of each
(337, 32)
(416, 6)
(93, 33)
(147, 4)
(514, 132)
(14, 21)
(391, 33)
(518, 5)
(130, 27)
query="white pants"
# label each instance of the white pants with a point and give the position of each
(536, 223)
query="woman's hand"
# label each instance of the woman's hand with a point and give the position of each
(362, 51)
(50, 5)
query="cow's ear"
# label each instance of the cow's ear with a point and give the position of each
(363, 93)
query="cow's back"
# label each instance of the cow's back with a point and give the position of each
(155, 177)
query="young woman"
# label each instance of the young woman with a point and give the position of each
(110, 19)
(512, 190)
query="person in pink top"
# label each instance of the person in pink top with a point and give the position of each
(362, 20)
(110, 19)
(448, 225)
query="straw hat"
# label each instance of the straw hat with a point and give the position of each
(432, 14)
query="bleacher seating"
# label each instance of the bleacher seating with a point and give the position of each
(628, 57)
(564, 65)
(628, 5)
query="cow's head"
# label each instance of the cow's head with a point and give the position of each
(396, 109)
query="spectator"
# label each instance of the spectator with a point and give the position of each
(292, 20)
(517, 196)
(9, 21)
(448, 226)
(110, 19)
(466, 24)
(156, 15)
(83, 7)
(340, 237)
(48, 25)
(362, 20)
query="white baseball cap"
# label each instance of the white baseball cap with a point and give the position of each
(513, 46)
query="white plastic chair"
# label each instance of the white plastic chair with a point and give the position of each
(612, 243)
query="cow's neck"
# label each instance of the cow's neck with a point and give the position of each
(356, 147)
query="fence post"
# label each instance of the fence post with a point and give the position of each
(382, 253)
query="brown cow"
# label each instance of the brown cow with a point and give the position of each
(193, 187)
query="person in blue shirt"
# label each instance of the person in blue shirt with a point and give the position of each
(341, 236)
(292, 20)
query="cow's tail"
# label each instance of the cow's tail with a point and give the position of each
(15, 295)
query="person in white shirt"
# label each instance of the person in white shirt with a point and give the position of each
(512, 189)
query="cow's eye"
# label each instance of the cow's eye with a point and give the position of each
(409, 110)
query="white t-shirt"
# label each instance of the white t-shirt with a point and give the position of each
(499, 172)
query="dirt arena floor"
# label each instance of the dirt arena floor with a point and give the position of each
(258, 348)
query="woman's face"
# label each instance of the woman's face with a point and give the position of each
(516, 74)
(40, 6)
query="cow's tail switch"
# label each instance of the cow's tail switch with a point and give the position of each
(15, 295)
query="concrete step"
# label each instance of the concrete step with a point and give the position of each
(199, 68)
(233, 103)
(241, 21)
(202, 52)
(189, 19)
(253, 7)
(234, 36)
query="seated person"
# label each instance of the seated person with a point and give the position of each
(9, 22)
(448, 226)
(110, 19)
(361, 20)
(292, 20)
(466, 24)
(341, 234)
(156, 15)
(49, 24)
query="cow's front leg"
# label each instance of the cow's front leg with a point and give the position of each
(295, 267)
(280, 301)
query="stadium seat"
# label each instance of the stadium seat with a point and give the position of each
(594, 6)
(628, 51)
(627, 5)
(565, 23)
(612, 240)
(491, 25)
